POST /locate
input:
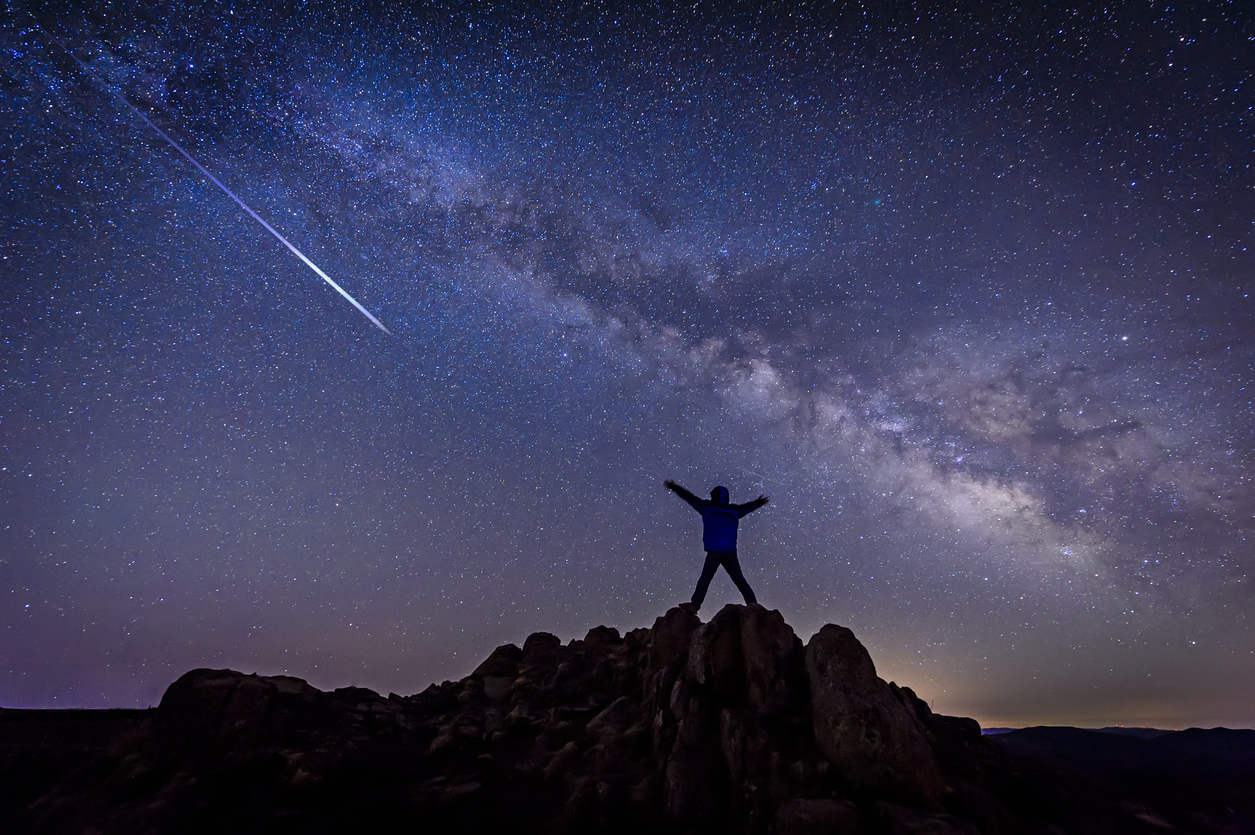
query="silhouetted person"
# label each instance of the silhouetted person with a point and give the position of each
(719, 521)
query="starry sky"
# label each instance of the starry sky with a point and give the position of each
(965, 288)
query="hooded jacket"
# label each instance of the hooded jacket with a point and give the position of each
(719, 518)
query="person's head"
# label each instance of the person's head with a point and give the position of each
(719, 495)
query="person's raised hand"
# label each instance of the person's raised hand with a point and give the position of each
(763, 499)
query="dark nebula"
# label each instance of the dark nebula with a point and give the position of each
(966, 291)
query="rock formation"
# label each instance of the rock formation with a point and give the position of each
(730, 726)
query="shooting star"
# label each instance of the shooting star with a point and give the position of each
(202, 169)
(762, 477)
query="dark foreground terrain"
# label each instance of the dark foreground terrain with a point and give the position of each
(732, 726)
(1195, 780)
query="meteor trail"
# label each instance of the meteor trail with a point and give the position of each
(202, 169)
(763, 477)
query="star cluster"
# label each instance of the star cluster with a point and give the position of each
(966, 289)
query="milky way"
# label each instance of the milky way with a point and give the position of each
(967, 292)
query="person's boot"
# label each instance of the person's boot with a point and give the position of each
(689, 607)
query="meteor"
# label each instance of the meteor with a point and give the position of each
(202, 169)
(761, 476)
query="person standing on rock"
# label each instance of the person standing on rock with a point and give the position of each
(719, 522)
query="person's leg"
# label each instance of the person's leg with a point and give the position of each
(703, 582)
(733, 566)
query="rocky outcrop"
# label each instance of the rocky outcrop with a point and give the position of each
(870, 731)
(730, 726)
(733, 722)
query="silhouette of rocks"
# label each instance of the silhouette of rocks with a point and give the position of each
(869, 730)
(730, 726)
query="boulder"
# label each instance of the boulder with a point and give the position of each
(229, 709)
(871, 735)
(816, 817)
(750, 658)
(601, 637)
(504, 661)
(542, 650)
(499, 671)
(669, 638)
(743, 673)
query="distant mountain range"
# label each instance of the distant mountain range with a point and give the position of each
(1198, 779)
(1119, 730)
(730, 726)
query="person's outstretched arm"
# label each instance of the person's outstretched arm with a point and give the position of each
(750, 507)
(684, 494)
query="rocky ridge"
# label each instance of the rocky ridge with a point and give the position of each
(687, 727)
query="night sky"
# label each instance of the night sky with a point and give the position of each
(966, 290)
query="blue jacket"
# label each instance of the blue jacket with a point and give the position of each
(719, 518)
